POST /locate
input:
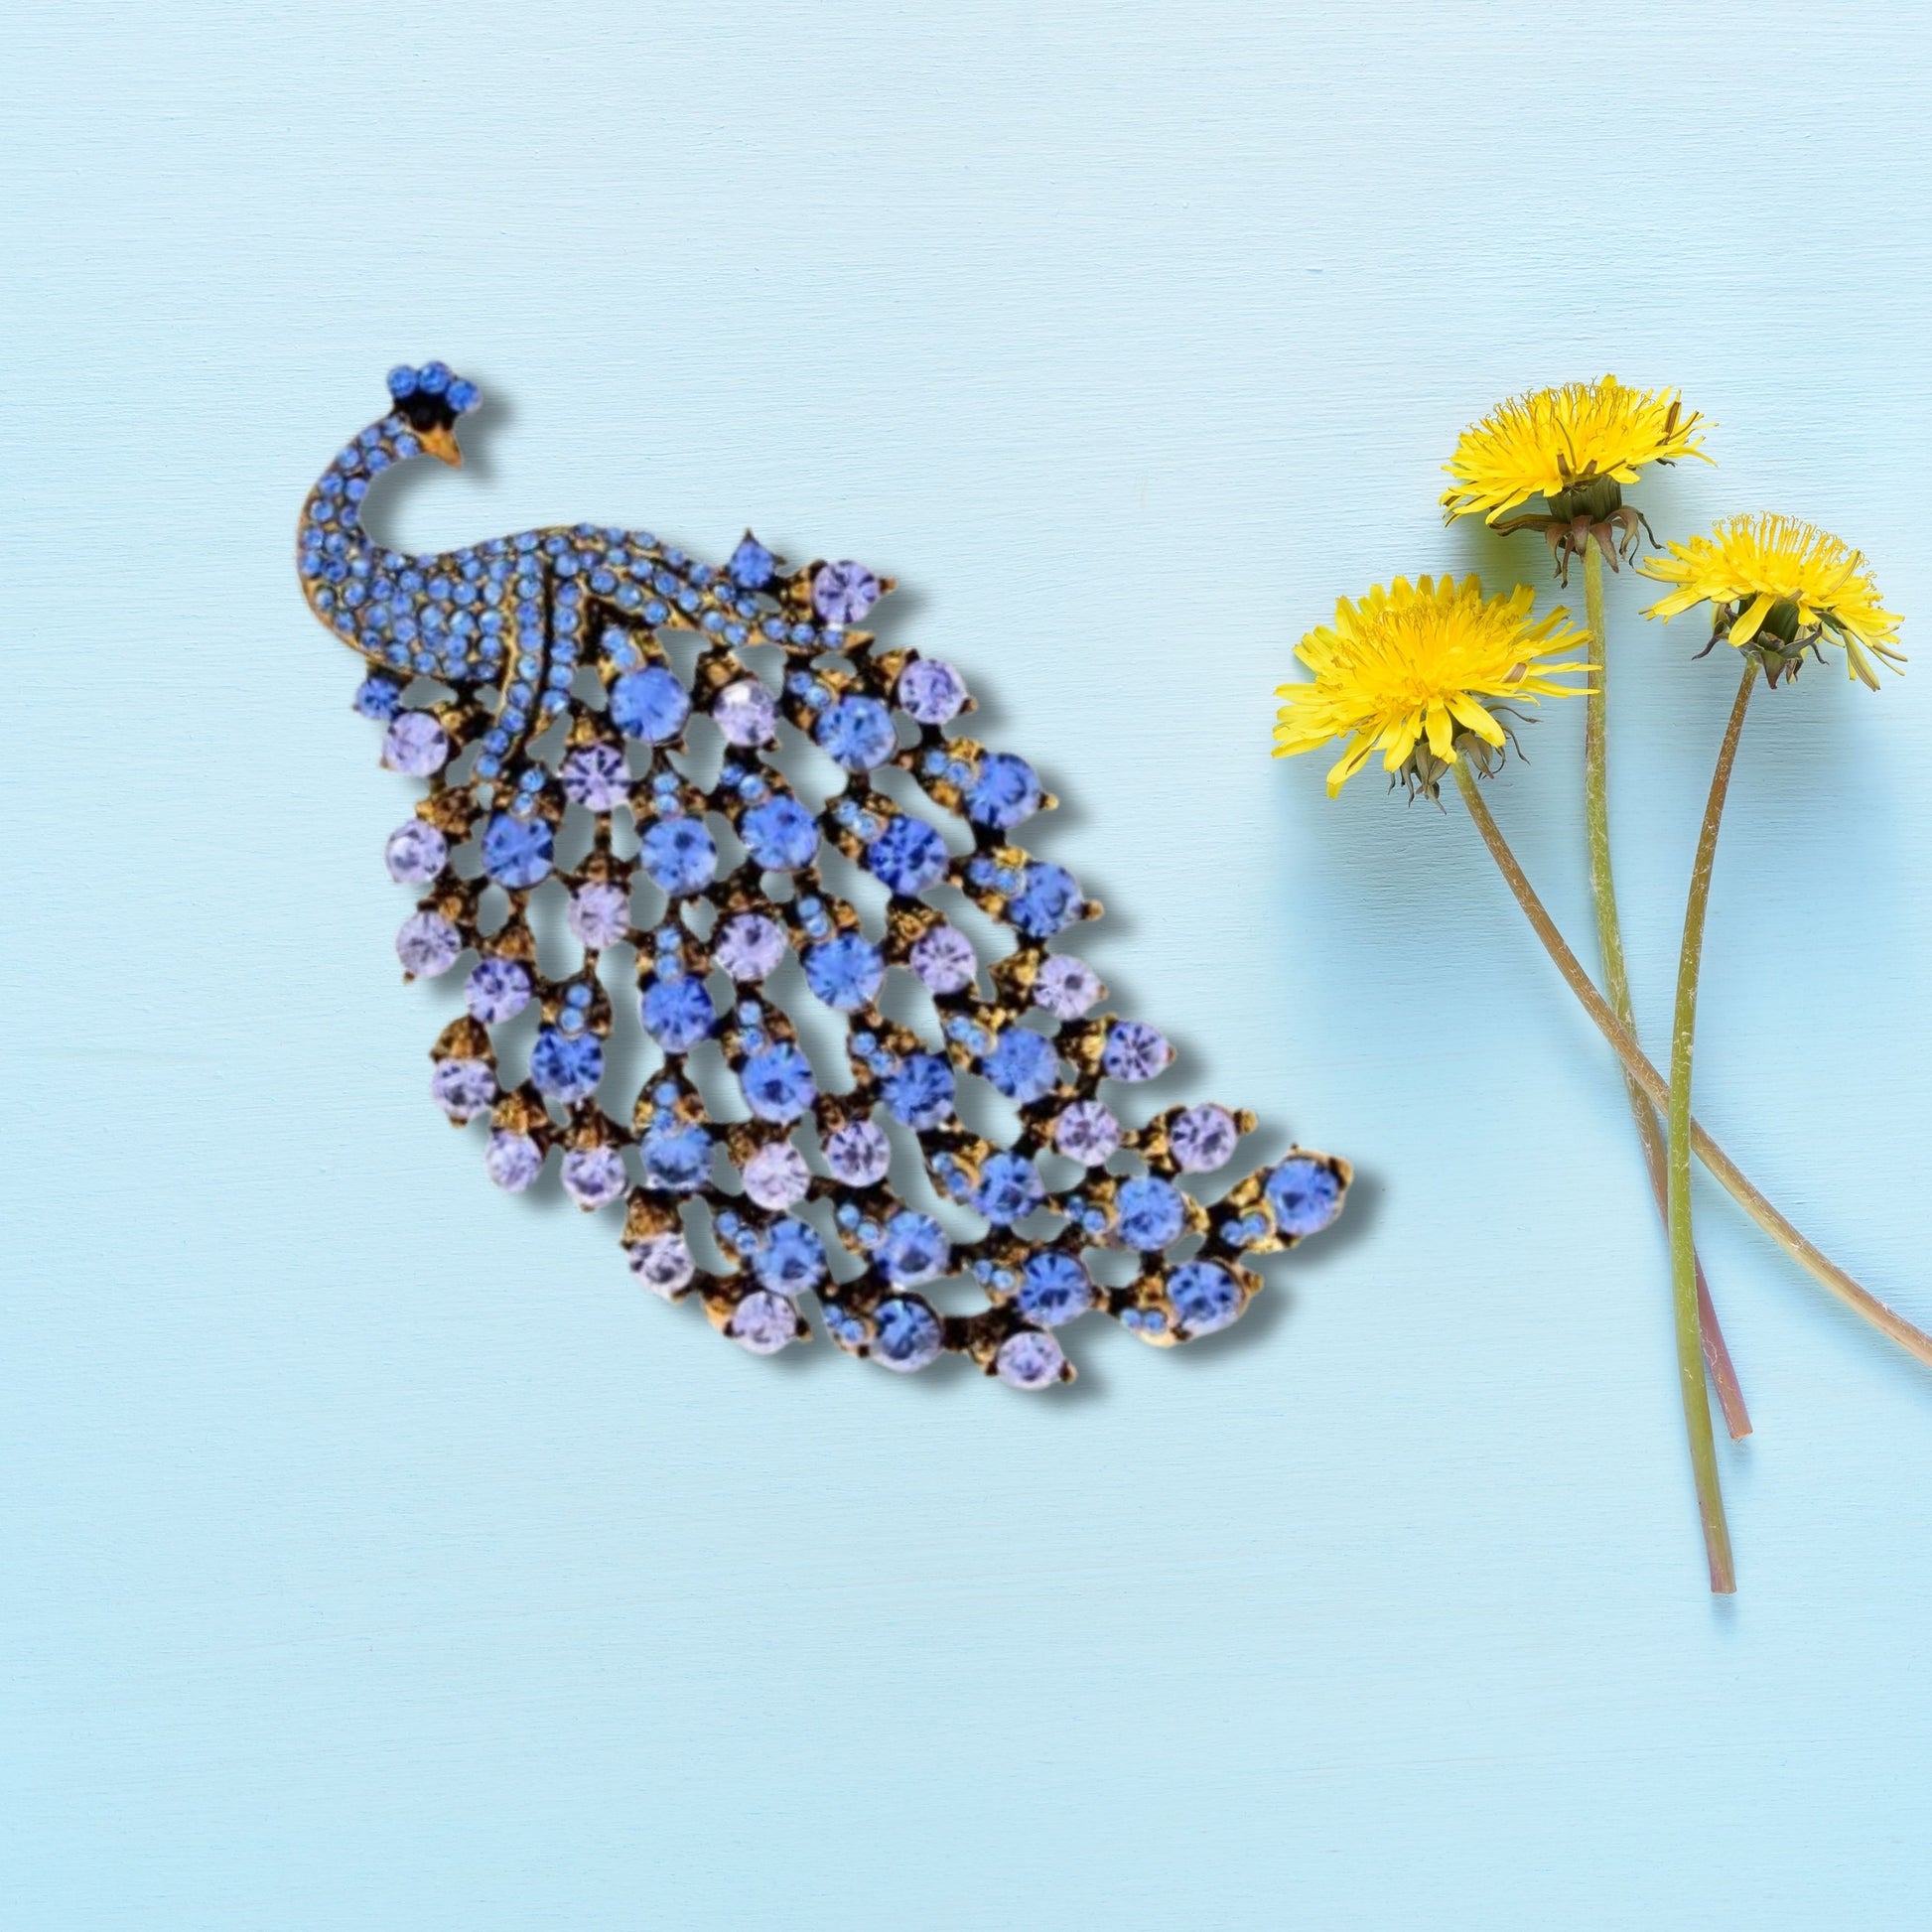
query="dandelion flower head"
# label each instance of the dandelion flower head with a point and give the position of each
(1776, 578)
(1412, 670)
(1553, 440)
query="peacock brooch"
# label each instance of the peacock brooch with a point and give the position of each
(616, 744)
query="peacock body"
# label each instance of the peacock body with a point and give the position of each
(558, 679)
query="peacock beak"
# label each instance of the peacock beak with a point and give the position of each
(440, 442)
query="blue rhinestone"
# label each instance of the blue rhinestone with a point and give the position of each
(378, 697)
(792, 1258)
(650, 704)
(1205, 1297)
(906, 1334)
(1047, 901)
(1054, 1287)
(677, 1013)
(858, 733)
(780, 836)
(1150, 1212)
(908, 856)
(1004, 793)
(1009, 1189)
(518, 852)
(845, 972)
(678, 1158)
(913, 1248)
(679, 855)
(1304, 1194)
(920, 1092)
(777, 1083)
(566, 1068)
(1023, 1065)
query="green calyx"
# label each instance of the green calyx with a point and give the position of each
(1594, 499)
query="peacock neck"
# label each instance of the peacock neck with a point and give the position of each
(336, 555)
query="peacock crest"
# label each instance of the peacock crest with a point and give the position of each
(564, 693)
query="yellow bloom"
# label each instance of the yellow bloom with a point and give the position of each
(1554, 440)
(1780, 583)
(1404, 671)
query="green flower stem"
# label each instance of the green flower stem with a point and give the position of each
(1915, 1341)
(1683, 1265)
(1616, 979)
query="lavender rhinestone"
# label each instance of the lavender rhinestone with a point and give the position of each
(932, 692)
(513, 1161)
(764, 1323)
(1202, 1138)
(464, 1088)
(744, 713)
(416, 745)
(428, 944)
(859, 1153)
(596, 777)
(1029, 1360)
(1087, 1133)
(843, 593)
(1135, 1052)
(945, 960)
(1067, 987)
(415, 852)
(749, 946)
(599, 915)
(594, 1177)
(777, 1175)
(499, 990)
(663, 1264)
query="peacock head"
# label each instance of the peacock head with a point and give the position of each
(429, 400)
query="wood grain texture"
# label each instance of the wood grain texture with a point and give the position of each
(377, 1557)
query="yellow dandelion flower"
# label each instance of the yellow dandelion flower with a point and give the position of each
(1407, 670)
(1781, 583)
(1575, 446)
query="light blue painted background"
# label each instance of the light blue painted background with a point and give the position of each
(376, 1556)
